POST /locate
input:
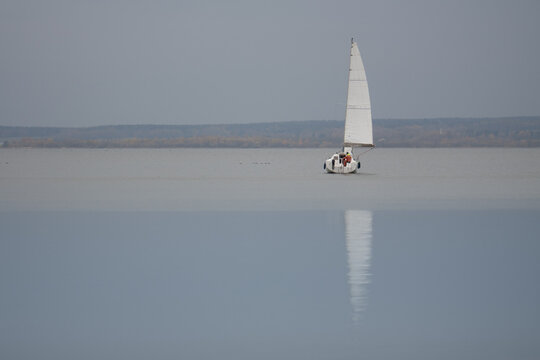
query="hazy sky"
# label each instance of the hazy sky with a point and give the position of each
(84, 63)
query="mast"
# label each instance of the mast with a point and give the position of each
(347, 147)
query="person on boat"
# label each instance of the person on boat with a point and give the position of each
(347, 159)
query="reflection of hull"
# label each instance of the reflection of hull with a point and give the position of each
(358, 228)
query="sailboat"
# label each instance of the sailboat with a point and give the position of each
(358, 123)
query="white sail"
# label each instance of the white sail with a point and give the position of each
(358, 124)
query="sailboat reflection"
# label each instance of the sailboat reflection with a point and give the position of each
(358, 230)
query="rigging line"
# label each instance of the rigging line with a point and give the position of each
(362, 153)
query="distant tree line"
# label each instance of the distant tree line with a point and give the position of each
(451, 132)
(192, 142)
(486, 132)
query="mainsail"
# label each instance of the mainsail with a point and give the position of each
(358, 124)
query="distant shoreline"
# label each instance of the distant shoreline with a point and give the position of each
(409, 133)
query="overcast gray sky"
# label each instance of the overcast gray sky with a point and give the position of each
(84, 63)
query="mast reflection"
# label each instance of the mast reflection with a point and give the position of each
(358, 229)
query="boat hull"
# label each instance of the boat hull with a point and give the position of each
(334, 166)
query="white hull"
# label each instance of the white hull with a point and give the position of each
(335, 166)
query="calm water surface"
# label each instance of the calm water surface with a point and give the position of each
(266, 179)
(257, 254)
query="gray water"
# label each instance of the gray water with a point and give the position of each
(258, 254)
(266, 179)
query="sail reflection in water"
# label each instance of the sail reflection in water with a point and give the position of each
(358, 229)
